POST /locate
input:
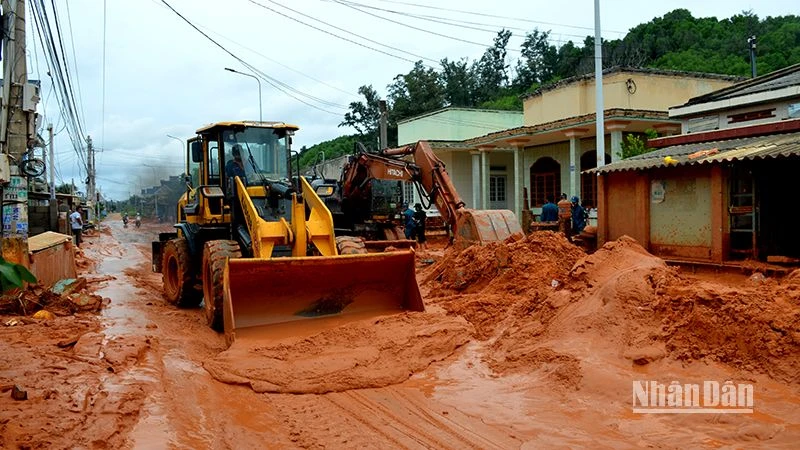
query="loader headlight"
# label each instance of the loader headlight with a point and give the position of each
(324, 191)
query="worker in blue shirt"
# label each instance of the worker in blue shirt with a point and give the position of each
(578, 216)
(408, 221)
(549, 211)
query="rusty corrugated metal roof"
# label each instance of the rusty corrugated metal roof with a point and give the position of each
(759, 147)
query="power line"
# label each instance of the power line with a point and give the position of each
(272, 81)
(343, 30)
(494, 16)
(59, 74)
(279, 63)
(103, 109)
(348, 5)
(75, 63)
(443, 20)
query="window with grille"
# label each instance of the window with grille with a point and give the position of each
(497, 188)
(408, 193)
(545, 181)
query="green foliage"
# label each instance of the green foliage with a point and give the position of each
(66, 188)
(636, 144)
(416, 92)
(13, 276)
(364, 116)
(334, 148)
(676, 41)
(509, 102)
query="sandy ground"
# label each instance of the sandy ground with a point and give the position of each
(523, 345)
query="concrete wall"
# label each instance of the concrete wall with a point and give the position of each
(626, 206)
(719, 120)
(652, 92)
(456, 124)
(680, 225)
(676, 213)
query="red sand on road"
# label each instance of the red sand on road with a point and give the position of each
(529, 343)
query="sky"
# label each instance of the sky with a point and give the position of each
(141, 73)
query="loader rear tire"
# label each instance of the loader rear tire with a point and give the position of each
(349, 245)
(178, 276)
(215, 256)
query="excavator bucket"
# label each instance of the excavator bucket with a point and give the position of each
(483, 226)
(271, 298)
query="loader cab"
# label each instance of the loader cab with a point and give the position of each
(264, 149)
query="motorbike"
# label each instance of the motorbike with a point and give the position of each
(138, 222)
(125, 222)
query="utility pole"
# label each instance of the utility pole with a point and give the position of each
(752, 41)
(14, 133)
(382, 105)
(600, 138)
(90, 190)
(52, 164)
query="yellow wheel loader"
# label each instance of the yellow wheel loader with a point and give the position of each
(255, 244)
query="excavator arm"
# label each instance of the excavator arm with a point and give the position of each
(468, 225)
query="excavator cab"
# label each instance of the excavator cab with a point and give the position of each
(260, 241)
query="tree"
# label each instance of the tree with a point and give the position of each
(634, 145)
(417, 92)
(491, 70)
(458, 83)
(365, 116)
(536, 65)
(66, 188)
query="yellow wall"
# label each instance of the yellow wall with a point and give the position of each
(653, 92)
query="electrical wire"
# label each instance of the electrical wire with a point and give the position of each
(520, 19)
(348, 5)
(64, 95)
(273, 82)
(343, 30)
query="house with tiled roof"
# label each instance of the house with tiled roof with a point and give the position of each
(548, 153)
(723, 189)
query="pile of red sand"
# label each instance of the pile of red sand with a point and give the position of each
(516, 267)
(493, 283)
(624, 302)
(362, 354)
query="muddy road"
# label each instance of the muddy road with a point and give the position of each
(525, 367)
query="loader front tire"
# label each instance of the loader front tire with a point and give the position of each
(178, 276)
(349, 245)
(215, 256)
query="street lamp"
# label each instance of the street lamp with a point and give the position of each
(259, 88)
(177, 139)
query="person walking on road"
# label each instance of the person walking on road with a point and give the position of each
(76, 223)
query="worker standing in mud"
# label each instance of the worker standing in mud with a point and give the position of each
(408, 221)
(76, 223)
(578, 213)
(549, 211)
(420, 217)
(565, 216)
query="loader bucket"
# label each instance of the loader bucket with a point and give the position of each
(481, 226)
(271, 298)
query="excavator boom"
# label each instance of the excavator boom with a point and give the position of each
(469, 226)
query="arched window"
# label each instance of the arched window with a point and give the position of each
(589, 180)
(545, 180)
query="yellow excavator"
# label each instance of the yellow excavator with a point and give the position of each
(255, 244)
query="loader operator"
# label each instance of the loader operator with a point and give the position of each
(235, 167)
